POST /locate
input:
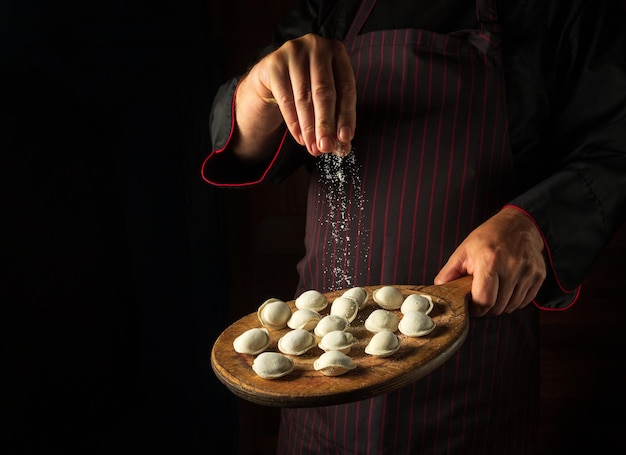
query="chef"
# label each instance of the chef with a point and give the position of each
(470, 138)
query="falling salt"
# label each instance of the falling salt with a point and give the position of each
(340, 190)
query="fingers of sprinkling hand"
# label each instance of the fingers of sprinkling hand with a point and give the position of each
(312, 82)
(290, 84)
(324, 98)
(299, 67)
(280, 84)
(346, 96)
(303, 100)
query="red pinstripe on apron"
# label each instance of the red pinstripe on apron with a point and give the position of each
(431, 161)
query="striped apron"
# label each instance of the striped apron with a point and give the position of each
(431, 161)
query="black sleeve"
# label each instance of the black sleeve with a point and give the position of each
(582, 203)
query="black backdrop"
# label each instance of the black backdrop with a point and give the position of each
(112, 279)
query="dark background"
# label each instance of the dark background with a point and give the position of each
(113, 280)
(119, 266)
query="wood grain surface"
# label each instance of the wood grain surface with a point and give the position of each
(373, 376)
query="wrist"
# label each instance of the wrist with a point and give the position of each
(258, 125)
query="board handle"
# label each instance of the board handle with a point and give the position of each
(456, 292)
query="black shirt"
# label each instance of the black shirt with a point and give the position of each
(565, 91)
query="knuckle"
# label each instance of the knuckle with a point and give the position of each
(292, 45)
(285, 99)
(324, 92)
(303, 97)
(489, 258)
(347, 90)
(293, 125)
(325, 127)
(540, 276)
(337, 46)
(308, 129)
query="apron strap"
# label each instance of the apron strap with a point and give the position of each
(362, 14)
(487, 15)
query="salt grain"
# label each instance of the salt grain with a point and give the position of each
(341, 192)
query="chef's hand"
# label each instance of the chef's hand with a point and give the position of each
(504, 255)
(309, 84)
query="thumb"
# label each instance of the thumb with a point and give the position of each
(452, 270)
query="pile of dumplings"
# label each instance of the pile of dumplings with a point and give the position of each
(331, 332)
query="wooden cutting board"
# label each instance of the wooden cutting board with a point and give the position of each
(373, 376)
